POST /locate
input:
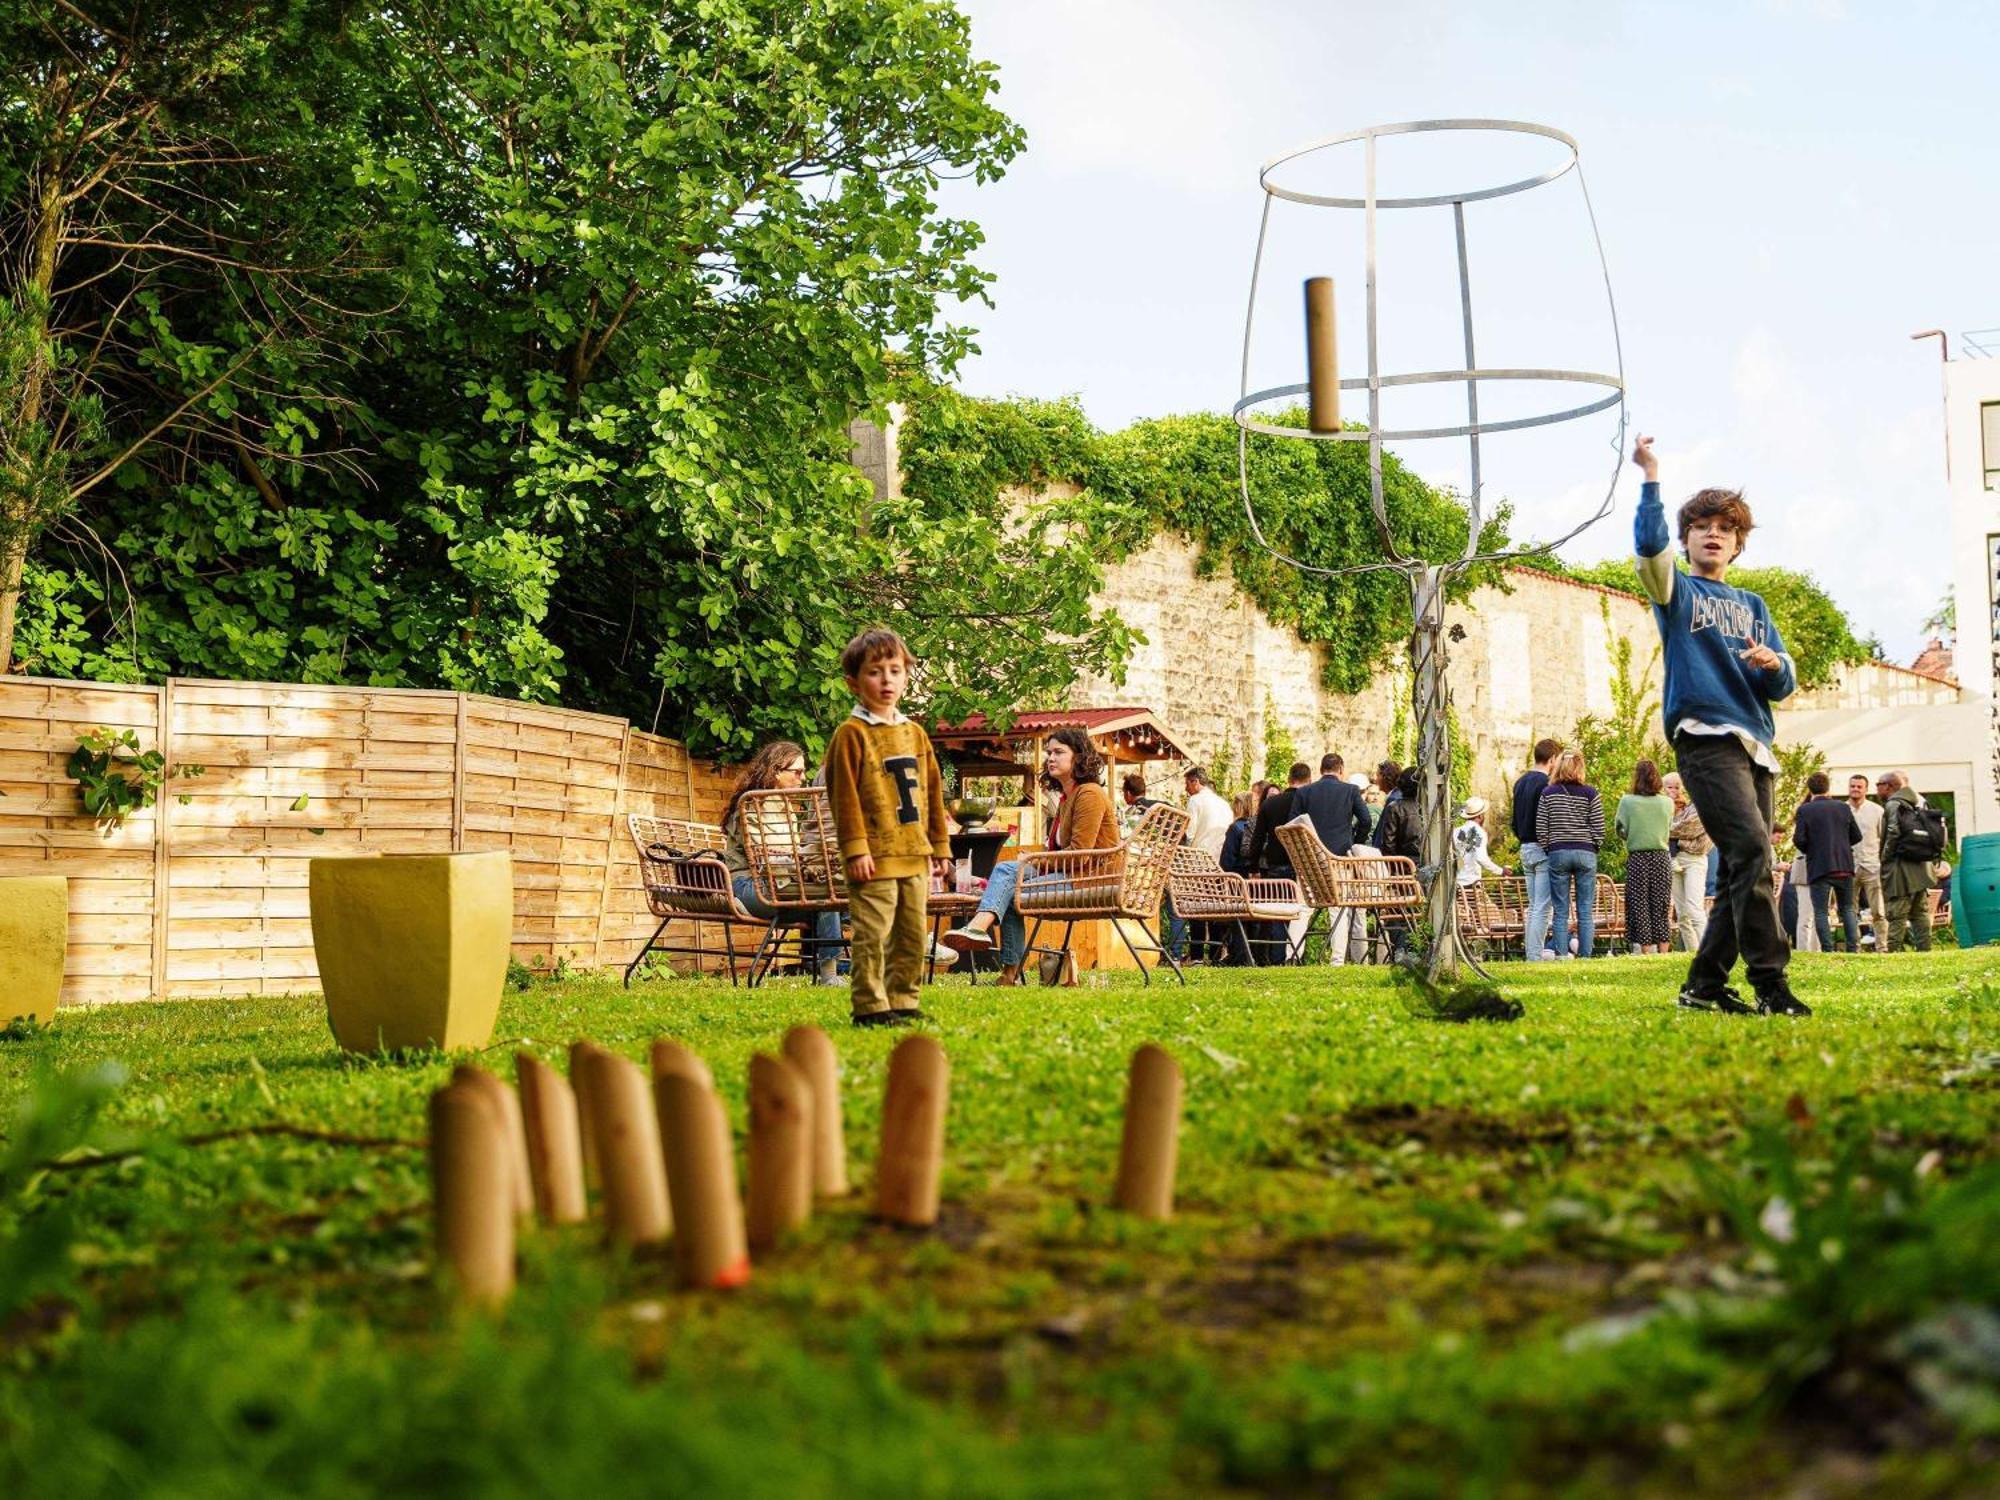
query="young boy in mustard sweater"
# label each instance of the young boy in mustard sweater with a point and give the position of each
(888, 813)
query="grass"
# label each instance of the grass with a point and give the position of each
(1613, 1248)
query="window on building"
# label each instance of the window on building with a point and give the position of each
(1989, 442)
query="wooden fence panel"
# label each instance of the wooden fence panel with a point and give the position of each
(543, 784)
(294, 772)
(44, 830)
(207, 893)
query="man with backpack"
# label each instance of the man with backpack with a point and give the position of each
(1913, 836)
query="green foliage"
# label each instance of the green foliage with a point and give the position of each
(115, 778)
(1179, 474)
(1815, 631)
(1281, 751)
(52, 1117)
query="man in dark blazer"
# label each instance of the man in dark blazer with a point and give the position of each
(1281, 806)
(1339, 816)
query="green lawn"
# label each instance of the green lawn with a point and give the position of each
(1614, 1248)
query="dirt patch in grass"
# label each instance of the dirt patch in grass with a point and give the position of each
(1452, 1131)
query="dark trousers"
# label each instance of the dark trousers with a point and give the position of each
(1842, 887)
(1733, 795)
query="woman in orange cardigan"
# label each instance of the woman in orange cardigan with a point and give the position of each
(1072, 768)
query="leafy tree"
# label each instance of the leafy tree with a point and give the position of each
(185, 269)
(1816, 632)
(1942, 622)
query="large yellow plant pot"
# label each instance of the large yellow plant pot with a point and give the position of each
(34, 932)
(413, 947)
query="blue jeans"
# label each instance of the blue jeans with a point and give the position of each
(826, 925)
(998, 902)
(1573, 872)
(1535, 866)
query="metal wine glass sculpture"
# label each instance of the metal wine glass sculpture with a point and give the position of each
(1261, 411)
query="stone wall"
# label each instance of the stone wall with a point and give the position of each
(1535, 657)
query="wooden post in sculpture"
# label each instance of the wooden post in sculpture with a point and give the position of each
(507, 1109)
(629, 1161)
(810, 1050)
(906, 1177)
(1150, 1149)
(709, 1246)
(555, 1141)
(472, 1194)
(580, 1086)
(1322, 359)
(781, 1158)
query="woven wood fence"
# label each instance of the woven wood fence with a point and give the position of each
(205, 893)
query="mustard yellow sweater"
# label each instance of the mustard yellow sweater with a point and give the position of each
(888, 798)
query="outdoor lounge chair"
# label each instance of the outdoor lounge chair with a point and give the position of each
(686, 881)
(1117, 885)
(795, 865)
(1205, 892)
(1385, 884)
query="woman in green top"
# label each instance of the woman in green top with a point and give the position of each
(1644, 815)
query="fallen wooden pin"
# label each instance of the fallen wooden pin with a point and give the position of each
(709, 1246)
(507, 1108)
(913, 1110)
(630, 1164)
(472, 1193)
(555, 1141)
(781, 1152)
(1150, 1148)
(810, 1050)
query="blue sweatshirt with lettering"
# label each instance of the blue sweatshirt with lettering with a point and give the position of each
(1704, 626)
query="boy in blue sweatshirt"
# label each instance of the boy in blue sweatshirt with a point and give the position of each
(1725, 667)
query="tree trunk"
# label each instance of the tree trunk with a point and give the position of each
(29, 509)
(1429, 704)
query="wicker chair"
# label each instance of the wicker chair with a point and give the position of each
(1385, 884)
(1609, 919)
(1495, 910)
(795, 865)
(686, 881)
(1205, 892)
(1124, 884)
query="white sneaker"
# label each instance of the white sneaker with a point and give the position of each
(966, 940)
(945, 957)
(1548, 955)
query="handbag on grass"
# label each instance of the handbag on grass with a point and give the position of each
(1059, 968)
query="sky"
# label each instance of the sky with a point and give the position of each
(1785, 192)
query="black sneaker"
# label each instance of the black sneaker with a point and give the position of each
(909, 1017)
(1724, 999)
(1778, 1000)
(876, 1018)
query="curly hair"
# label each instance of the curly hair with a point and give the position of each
(1728, 504)
(1089, 764)
(760, 774)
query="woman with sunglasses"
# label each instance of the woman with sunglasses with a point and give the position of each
(779, 766)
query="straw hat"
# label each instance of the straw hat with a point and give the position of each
(1472, 807)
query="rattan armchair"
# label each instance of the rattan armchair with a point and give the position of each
(686, 881)
(1608, 912)
(1495, 910)
(1385, 884)
(1118, 885)
(795, 865)
(1205, 892)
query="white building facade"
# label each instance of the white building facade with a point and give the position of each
(1972, 461)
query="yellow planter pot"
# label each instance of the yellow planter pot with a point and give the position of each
(413, 947)
(34, 932)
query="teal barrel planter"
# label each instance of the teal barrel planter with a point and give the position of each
(1975, 890)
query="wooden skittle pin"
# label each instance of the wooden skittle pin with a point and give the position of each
(810, 1050)
(709, 1246)
(781, 1161)
(580, 1086)
(1150, 1150)
(671, 1057)
(555, 1149)
(507, 1108)
(906, 1177)
(629, 1162)
(472, 1193)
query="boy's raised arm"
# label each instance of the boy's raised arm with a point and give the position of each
(1652, 545)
